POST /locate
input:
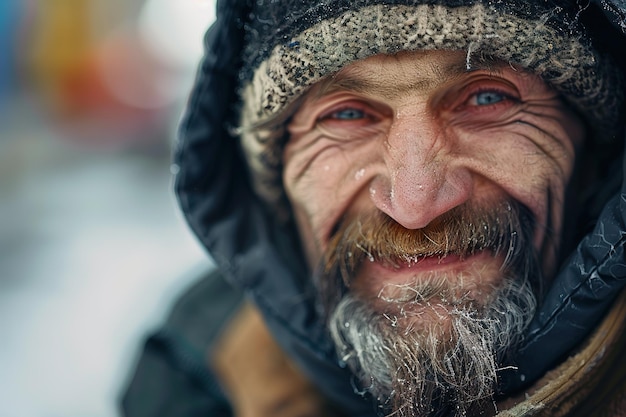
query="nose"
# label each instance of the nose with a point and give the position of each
(423, 175)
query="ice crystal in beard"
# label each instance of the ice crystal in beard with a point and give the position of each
(430, 371)
(401, 354)
(502, 229)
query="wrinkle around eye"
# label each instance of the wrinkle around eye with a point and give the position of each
(471, 121)
(550, 144)
(349, 132)
(305, 156)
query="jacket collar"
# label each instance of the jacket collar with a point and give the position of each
(590, 380)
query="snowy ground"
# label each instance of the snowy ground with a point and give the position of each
(92, 253)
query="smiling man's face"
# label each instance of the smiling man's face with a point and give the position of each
(424, 193)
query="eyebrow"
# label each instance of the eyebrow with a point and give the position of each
(358, 81)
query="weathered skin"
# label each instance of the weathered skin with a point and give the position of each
(427, 146)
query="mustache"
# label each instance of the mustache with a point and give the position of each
(503, 228)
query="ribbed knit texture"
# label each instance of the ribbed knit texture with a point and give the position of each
(274, 22)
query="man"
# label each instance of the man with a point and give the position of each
(432, 221)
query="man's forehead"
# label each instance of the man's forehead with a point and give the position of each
(410, 70)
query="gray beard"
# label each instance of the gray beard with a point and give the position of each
(432, 359)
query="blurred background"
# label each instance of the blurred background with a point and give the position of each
(93, 250)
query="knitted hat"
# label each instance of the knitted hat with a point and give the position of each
(291, 45)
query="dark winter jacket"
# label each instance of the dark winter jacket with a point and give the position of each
(260, 255)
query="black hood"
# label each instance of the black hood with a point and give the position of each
(256, 251)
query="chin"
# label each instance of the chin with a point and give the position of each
(424, 318)
(429, 344)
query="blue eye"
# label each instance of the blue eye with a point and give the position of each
(488, 97)
(348, 114)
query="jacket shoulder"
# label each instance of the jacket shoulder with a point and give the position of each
(172, 376)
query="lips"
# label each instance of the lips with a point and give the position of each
(371, 251)
(480, 269)
(416, 262)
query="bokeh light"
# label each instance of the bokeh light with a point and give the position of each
(93, 249)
